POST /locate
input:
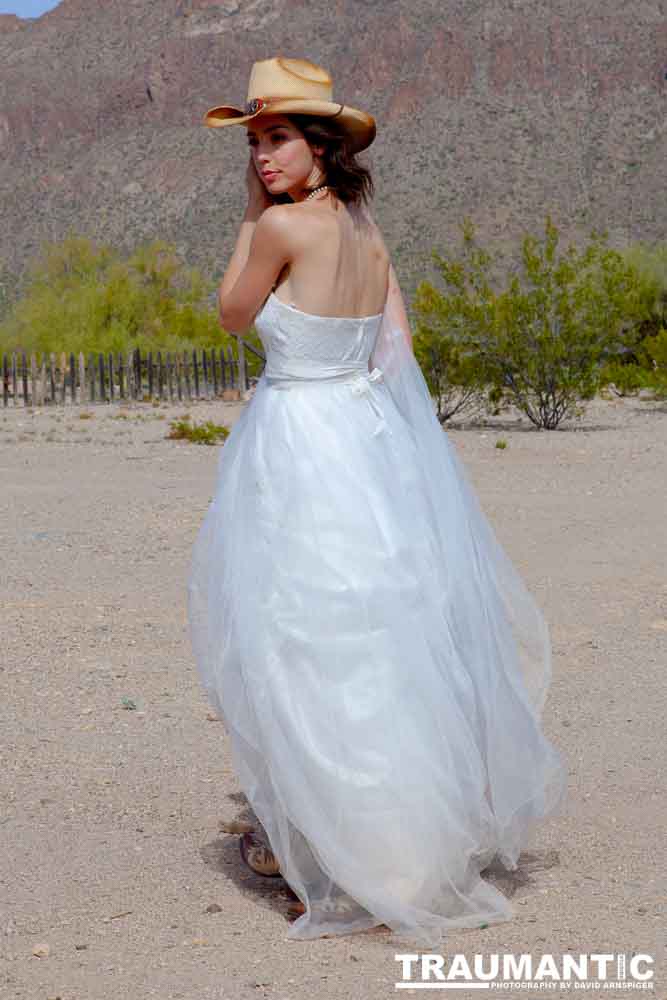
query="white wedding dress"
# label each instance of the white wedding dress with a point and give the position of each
(379, 665)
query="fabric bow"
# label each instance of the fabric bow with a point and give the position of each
(361, 386)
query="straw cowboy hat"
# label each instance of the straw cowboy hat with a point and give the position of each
(297, 86)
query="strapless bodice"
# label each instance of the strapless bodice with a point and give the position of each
(305, 346)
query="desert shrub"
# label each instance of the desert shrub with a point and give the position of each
(635, 364)
(655, 349)
(451, 376)
(623, 378)
(83, 297)
(540, 341)
(650, 263)
(207, 432)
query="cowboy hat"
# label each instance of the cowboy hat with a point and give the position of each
(295, 86)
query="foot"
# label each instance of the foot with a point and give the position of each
(296, 909)
(259, 858)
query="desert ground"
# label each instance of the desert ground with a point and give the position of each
(116, 878)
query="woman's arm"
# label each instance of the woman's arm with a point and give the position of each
(263, 247)
(261, 251)
(239, 257)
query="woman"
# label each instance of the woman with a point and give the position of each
(379, 665)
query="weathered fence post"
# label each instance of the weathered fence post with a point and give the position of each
(207, 384)
(52, 377)
(82, 377)
(150, 376)
(25, 380)
(130, 376)
(33, 379)
(121, 375)
(62, 367)
(223, 368)
(188, 386)
(232, 367)
(195, 372)
(179, 376)
(242, 371)
(100, 368)
(160, 376)
(138, 388)
(91, 378)
(42, 383)
(170, 376)
(214, 369)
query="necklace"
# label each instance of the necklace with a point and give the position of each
(322, 187)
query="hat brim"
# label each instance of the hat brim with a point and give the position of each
(359, 126)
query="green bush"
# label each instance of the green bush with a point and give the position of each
(450, 375)
(656, 353)
(540, 342)
(207, 432)
(84, 297)
(623, 378)
(650, 263)
(639, 363)
(443, 323)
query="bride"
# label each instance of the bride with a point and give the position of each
(379, 665)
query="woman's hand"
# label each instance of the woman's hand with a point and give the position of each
(258, 197)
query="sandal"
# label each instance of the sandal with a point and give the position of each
(296, 909)
(259, 858)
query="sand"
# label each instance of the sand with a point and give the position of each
(115, 773)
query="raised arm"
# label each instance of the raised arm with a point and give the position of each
(263, 247)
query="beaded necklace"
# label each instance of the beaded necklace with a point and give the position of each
(322, 187)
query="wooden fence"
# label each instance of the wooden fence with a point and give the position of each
(105, 378)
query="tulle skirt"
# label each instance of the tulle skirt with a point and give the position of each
(379, 665)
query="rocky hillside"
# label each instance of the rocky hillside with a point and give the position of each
(500, 110)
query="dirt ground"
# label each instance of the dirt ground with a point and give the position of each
(115, 775)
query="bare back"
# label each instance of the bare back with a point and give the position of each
(340, 264)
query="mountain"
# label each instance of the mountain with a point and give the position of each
(499, 110)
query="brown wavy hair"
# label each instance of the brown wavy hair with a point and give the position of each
(350, 180)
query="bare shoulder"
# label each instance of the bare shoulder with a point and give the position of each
(275, 219)
(289, 224)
